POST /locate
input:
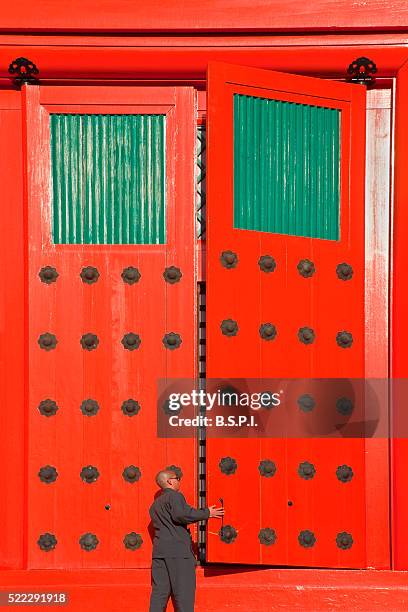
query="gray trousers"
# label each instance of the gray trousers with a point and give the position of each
(173, 575)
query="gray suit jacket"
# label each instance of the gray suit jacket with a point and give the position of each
(170, 514)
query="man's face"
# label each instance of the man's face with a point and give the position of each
(173, 481)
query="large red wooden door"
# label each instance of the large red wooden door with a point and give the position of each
(285, 298)
(110, 309)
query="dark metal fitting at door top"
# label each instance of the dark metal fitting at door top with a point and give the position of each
(25, 71)
(361, 71)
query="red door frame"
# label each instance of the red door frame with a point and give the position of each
(153, 64)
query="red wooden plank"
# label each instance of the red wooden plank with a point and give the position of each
(283, 82)
(377, 287)
(13, 374)
(202, 40)
(399, 330)
(86, 94)
(179, 16)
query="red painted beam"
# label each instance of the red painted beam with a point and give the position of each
(208, 15)
(190, 63)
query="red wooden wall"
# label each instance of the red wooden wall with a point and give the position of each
(79, 53)
(211, 16)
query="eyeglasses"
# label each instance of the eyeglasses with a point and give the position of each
(174, 478)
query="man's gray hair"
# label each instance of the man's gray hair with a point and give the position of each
(163, 476)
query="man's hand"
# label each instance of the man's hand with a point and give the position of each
(215, 512)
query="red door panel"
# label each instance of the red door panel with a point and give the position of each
(104, 522)
(305, 515)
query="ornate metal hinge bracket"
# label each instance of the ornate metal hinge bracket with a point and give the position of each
(24, 71)
(361, 71)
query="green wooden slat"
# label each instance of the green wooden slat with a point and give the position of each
(286, 168)
(108, 179)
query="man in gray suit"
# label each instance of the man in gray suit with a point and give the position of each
(173, 561)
